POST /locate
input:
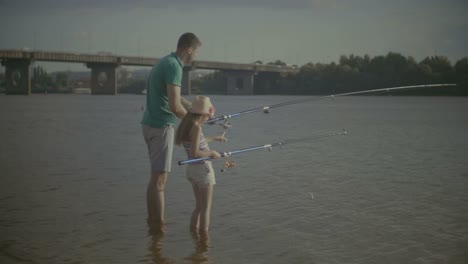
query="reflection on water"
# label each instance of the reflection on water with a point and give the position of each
(156, 247)
(201, 243)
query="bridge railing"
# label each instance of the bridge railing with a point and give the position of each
(136, 61)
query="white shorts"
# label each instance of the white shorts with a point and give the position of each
(201, 174)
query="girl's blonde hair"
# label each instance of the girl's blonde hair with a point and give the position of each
(183, 131)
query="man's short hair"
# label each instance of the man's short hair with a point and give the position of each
(188, 40)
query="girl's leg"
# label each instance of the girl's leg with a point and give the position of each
(205, 193)
(195, 219)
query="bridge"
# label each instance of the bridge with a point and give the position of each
(239, 77)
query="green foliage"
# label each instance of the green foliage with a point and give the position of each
(355, 73)
(41, 81)
(461, 75)
(2, 83)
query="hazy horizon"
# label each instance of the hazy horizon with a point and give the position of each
(296, 32)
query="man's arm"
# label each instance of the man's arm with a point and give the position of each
(176, 101)
(186, 103)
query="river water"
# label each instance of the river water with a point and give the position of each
(74, 171)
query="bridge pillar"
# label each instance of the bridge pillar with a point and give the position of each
(239, 82)
(17, 76)
(186, 89)
(103, 78)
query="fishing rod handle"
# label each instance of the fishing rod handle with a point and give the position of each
(189, 161)
(219, 118)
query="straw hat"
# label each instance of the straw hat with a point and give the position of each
(202, 105)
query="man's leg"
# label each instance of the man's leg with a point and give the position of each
(160, 146)
(155, 198)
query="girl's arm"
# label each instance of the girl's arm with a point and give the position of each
(195, 151)
(217, 138)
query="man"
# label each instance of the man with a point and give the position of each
(163, 104)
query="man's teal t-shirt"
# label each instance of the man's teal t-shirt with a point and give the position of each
(168, 71)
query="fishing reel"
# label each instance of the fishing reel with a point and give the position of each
(226, 124)
(227, 164)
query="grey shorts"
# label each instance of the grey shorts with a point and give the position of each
(160, 143)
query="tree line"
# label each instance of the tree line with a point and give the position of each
(350, 73)
(355, 73)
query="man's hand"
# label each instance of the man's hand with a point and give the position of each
(186, 103)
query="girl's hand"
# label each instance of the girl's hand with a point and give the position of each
(211, 117)
(215, 154)
(221, 138)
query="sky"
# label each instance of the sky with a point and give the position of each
(294, 31)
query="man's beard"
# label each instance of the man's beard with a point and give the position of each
(190, 58)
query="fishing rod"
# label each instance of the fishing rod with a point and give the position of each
(267, 146)
(266, 109)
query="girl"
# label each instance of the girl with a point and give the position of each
(200, 174)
